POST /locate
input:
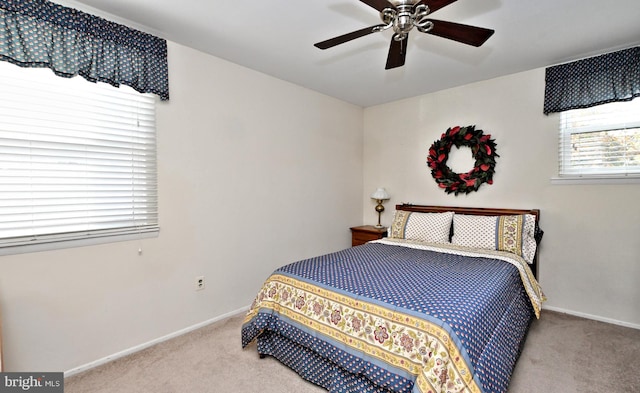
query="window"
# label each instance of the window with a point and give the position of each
(601, 142)
(77, 159)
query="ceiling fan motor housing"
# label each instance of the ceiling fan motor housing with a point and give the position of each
(398, 3)
(403, 23)
(405, 16)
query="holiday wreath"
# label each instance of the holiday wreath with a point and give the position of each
(484, 152)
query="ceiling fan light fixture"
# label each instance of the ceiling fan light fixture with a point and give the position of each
(403, 16)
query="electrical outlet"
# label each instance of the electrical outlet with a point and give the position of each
(199, 283)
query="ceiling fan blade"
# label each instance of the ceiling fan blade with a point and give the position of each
(470, 35)
(435, 5)
(347, 37)
(397, 52)
(378, 4)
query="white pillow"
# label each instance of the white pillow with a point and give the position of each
(424, 227)
(513, 233)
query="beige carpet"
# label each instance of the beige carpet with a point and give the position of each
(563, 354)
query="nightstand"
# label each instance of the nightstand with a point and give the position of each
(362, 234)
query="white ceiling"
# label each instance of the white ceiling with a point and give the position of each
(276, 37)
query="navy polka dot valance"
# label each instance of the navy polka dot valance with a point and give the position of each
(594, 81)
(38, 33)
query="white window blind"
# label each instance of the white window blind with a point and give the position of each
(77, 159)
(601, 141)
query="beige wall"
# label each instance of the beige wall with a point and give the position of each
(254, 172)
(590, 254)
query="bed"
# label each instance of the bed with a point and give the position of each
(443, 304)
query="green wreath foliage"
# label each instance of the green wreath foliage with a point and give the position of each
(483, 149)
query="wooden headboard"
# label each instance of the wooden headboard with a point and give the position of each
(476, 211)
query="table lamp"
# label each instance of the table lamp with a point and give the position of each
(380, 195)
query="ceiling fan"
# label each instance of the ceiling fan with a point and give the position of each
(402, 16)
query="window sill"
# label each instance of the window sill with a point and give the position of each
(61, 244)
(595, 180)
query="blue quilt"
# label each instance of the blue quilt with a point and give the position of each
(399, 318)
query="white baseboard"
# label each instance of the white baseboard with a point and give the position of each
(594, 317)
(180, 332)
(148, 344)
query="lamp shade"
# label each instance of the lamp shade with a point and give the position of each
(380, 194)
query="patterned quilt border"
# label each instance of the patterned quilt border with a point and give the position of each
(419, 347)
